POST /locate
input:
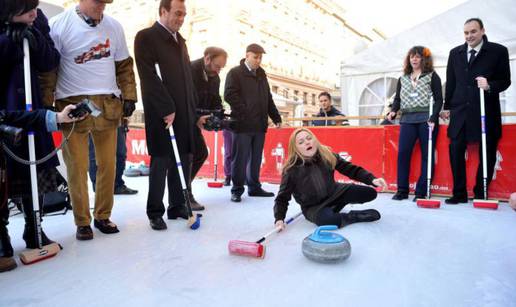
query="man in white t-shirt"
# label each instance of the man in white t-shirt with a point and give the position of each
(95, 65)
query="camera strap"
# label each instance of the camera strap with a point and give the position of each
(42, 160)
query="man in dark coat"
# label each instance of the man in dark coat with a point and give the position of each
(248, 93)
(476, 64)
(20, 19)
(328, 110)
(169, 100)
(205, 74)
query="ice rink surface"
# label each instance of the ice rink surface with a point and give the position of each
(453, 256)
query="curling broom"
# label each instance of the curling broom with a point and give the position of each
(215, 183)
(50, 250)
(484, 203)
(194, 222)
(254, 249)
(428, 202)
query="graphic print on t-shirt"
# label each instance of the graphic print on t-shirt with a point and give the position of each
(95, 53)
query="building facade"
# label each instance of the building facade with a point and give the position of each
(305, 40)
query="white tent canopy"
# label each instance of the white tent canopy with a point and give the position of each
(50, 9)
(368, 77)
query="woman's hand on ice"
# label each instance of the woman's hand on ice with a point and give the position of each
(380, 182)
(280, 224)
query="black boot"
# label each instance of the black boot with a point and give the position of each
(30, 236)
(369, 215)
(7, 261)
(29, 232)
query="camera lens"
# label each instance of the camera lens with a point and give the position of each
(10, 135)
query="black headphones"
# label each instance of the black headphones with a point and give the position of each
(90, 21)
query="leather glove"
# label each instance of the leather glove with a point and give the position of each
(129, 107)
(17, 31)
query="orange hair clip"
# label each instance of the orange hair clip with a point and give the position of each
(426, 52)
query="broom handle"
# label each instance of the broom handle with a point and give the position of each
(484, 150)
(429, 152)
(30, 134)
(215, 161)
(178, 159)
(276, 229)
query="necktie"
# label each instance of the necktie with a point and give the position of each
(472, 56)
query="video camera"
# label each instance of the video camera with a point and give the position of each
(8, 134)
(217, 120)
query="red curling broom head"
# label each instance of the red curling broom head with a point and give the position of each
(485, 204)
(428, 203)
(215, 184)
(244, 248)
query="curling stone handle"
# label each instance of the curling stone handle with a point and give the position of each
(320, 229)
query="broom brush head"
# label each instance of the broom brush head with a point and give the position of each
(485, 204)
(39, 254)
(215, 184)
(245, 248)
(428, 203)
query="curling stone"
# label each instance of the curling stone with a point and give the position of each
(325, 246)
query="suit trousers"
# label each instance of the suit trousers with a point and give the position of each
(161, 168)
(75, 155)
(458, 164)
(228, 147)
(199, 156)
(246, 161)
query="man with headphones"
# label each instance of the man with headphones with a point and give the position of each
(95, 64)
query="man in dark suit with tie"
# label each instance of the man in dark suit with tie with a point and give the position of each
(168, 100)
(476, 64)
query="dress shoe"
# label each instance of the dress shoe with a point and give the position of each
(84, 233)
(400, 196)
(7, 264)
(260, 193)
(236, 198)
(157, 223)
(175, 212)
(105, 226)
(227, 181)
(456, 200)
(416, 197)
(194, 204)
(124, 190)
(478, 196)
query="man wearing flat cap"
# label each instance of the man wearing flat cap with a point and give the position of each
(248, 93)
(95, 65)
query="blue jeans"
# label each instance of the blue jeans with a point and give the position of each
(121, 156)
(409, 134)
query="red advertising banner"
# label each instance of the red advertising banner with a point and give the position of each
(442, 183)
(374, 148)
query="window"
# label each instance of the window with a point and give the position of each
(313, 99)
(275, 89)
(305, 97)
